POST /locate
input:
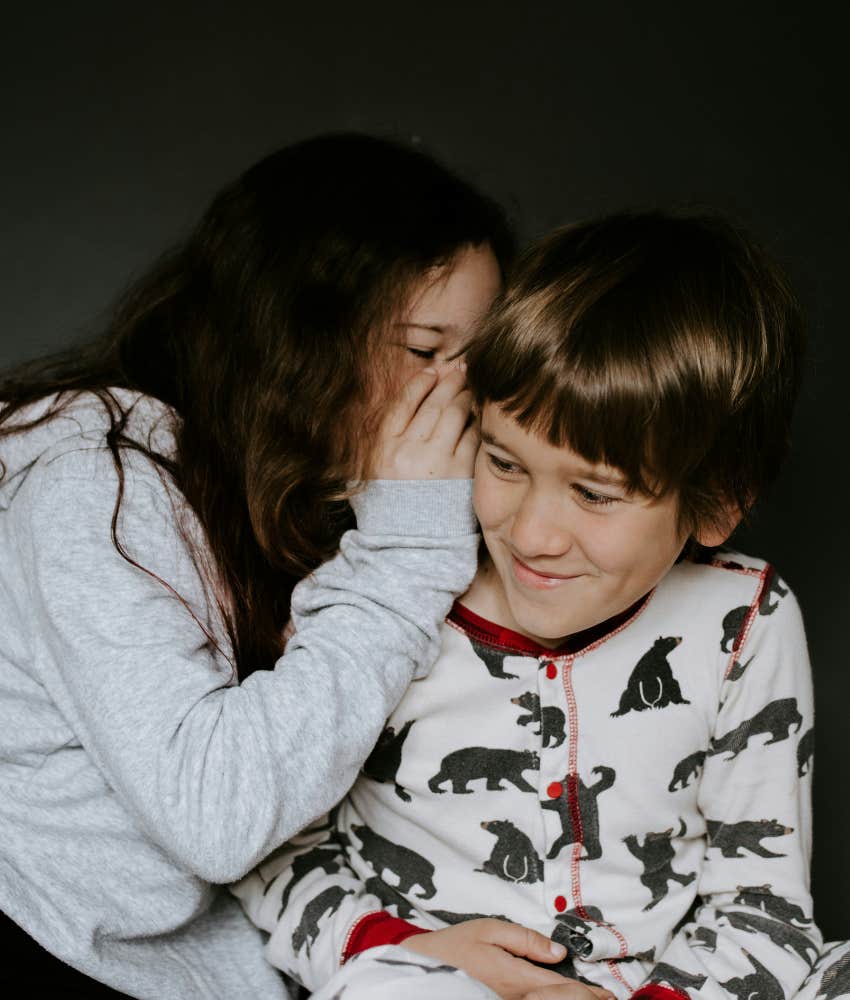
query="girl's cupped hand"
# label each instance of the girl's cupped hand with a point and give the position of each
(427, 431)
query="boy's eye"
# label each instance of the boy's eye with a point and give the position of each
(591, 497)
(502, 466)
(427, 353)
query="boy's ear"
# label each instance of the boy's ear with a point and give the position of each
(715, 533)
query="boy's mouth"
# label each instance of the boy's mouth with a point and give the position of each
(529, 577)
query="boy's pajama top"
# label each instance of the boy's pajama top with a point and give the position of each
(641, 796)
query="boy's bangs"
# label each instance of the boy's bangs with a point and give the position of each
(607, 422)
(596, 383)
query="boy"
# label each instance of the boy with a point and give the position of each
(614, 746)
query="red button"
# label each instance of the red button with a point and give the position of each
(551, 671)
(555, 790)
(560, 904)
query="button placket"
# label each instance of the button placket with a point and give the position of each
(556, 766)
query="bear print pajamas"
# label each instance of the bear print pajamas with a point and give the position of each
(641, 795)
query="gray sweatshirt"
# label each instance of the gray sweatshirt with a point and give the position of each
(135, 775)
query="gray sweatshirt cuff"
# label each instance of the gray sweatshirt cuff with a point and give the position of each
(419, 508)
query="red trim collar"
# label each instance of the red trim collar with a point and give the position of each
(490, 634)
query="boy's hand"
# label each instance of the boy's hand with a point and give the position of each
(568, 989)
(426, 432)
(493, 952)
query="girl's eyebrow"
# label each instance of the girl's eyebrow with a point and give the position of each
(433, 327)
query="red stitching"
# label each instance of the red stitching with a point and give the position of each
(575, 812)
(744, 632)
(734, 567)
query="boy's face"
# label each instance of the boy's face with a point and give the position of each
(569, 546)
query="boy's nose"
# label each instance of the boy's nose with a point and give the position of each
(540, 528)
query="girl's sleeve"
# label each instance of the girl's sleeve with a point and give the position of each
(753, 934)
(220, 775)
(315, 908)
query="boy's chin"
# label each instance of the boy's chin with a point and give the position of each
(544, 632)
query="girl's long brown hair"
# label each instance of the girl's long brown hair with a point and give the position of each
(263, 331)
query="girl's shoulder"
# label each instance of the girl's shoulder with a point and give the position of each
(70, 436)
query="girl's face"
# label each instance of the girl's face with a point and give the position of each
(442, 313)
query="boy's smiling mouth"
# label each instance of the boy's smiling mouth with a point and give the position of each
(528, 577)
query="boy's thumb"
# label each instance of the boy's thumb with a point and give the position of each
(526, 943)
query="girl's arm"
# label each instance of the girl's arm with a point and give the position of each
(220, 775)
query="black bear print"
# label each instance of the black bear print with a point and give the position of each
(383, 762)
(656, 854)
(474, 763)
(805, 752)
(687, 768)
(731, 838)
(773, 587)
(323, 856)
(409, 867)
(416, 965)
(836, 980)
(641, 956)
(588, 810)
(493, 660)
(677, 978)
(733, 623)
(307, 930)
(762, 898)
(705, 938)
(571, 930)
(651, 683)
(513, 857)
(776, 718)
(389, 897)
(737, 670)
(786, 936)
(551, 721)
(760, 984)
(450, 917)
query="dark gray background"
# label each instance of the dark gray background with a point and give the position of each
(119, 122)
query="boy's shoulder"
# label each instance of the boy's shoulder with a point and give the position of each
(731, 561)
(720, 576)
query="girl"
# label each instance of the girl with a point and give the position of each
(164, 490)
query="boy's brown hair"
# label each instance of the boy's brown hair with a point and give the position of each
(667, 346)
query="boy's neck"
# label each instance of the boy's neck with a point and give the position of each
(485, 600)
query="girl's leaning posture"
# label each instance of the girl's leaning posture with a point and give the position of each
(178, 490)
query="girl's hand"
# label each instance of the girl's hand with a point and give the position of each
(426, 432)
(493, 952)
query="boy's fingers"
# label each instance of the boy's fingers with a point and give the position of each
(526, 943)
(568, 990)
(401, 411)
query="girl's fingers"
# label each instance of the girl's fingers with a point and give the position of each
(401, 411)
(467, 447)
(453, 421)
(427, 416)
